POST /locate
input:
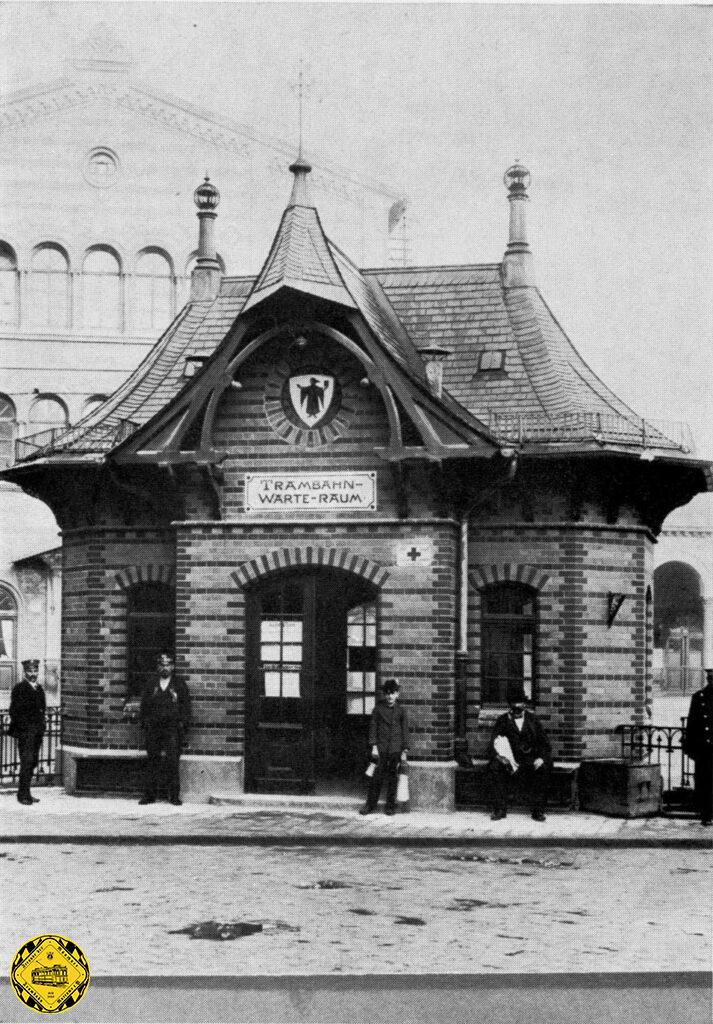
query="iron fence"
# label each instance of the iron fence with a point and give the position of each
(662, 745)
(49, 769)
(100, 438)
(611, 428)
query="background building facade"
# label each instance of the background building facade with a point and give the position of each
(96, 251)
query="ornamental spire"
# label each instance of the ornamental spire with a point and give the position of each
(518, 271)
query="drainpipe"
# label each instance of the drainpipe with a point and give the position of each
(460, 745)
(460, 734)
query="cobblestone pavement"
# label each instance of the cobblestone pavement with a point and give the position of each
(326, 910)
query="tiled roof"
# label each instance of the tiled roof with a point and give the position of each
(300, 258)
(545, 393)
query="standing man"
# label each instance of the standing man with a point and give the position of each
(389, 740)
(698, 744)
(519, 754)
(164, 716)
(27, 725)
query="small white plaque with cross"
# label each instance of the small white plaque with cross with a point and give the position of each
(415, 553)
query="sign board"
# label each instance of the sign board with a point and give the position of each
(310, 492)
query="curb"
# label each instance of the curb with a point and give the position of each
(415, 842)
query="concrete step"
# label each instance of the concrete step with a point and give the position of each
(290, 802)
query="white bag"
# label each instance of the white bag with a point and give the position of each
(370, 769)
(501, 745)
(402, 793)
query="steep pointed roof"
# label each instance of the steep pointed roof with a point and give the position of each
(300, 257)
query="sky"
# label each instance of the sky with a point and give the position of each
(608, 106)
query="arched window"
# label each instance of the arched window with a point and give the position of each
(48, 300)
(48, 411)
(8, 285)
(508, 642)
(154, 291)
(8, 638)
(150, 629)
(101, 279)
(8, 427)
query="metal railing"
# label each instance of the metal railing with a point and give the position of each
(603, 428)
(49, 769)
(101, 438)
(662, 745)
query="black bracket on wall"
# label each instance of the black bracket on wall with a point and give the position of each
(614, 603)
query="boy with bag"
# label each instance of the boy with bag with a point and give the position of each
(389, 740)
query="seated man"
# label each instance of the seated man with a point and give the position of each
(519, 755)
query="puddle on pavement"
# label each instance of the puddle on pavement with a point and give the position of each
(117, 888)
(463, 904)
(539, 862)
(362, 911)
(409, 920)
(225, 931)
(325, 883)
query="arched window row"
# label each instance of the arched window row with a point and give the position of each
(101, 293)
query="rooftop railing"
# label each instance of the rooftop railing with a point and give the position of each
(601, 428)
(101, 438)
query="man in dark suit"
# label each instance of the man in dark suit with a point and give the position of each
(164, 715)
(389, 740)
(27, 725)
(698, 744)
(519, 755)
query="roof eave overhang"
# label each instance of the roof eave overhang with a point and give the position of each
(313, 289)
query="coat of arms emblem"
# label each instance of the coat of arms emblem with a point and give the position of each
(311, 396)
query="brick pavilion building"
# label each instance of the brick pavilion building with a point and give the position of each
(323, 476)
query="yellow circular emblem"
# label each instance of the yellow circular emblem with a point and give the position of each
(49, 973)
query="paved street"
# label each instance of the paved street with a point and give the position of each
(326, 910)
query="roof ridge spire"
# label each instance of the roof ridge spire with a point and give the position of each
(300, 168)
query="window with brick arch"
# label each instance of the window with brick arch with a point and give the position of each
(150, 629)
(508, 642)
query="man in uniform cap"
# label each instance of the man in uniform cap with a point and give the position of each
(519, 754)
(27, 725)
(698, 744)
(164, 717)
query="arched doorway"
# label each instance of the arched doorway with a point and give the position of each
(311, 680)
(678, 630)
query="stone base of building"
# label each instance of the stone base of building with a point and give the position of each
(432, 785)
(87, 770)
(473, 787)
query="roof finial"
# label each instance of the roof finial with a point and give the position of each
(300, 168)
(205, 277)
(517, 265)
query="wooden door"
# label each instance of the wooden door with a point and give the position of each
(280, 652)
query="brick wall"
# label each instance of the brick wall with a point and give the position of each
(94, 670)
(416, 608)
(590, 678)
